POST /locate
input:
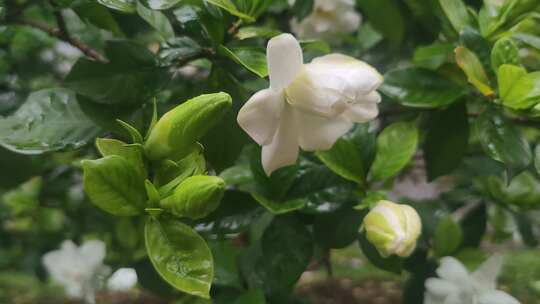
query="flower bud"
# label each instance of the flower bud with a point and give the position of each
(196, 197)
(393, 228)
(177, 131)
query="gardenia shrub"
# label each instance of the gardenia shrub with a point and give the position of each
(218, 149)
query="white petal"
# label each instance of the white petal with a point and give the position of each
(485, 277)
(122, 280)
(283, 150)
(93, 251)
(453, 270)
(285, 60)
(440, 288)
(361, 112)
(259, 117)
(345, 74)
(496, 297)
(318, 133)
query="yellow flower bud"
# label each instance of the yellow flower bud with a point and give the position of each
(393, 228)
(179, 129)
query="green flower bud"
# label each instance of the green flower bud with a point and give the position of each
(179, 129)
(393, 228)
(196, 197)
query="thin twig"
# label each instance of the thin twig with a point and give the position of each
(62, 34)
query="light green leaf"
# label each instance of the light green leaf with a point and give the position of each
(420, 88)
(457, 13)
(248, 32)
(517, 89)
(126, 6)
(180, 256)
(252, 59)
(157, 20)
(433, 56)
(505, 51)
(161, 4)
(131, 153)
(230, 7)
(476, 75)
(448, 237)
(396, 146)
(113, 184)
(345, 160)
(49, 120)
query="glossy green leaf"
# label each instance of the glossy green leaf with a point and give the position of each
(157, 20)
(170, 174)
(248, 32)
(231, 8)
(472, 67)
(433, 56)
(503, 141)
(279, 207)
(522, 191)
(180, 256)
(446, 141)
(99, 16)
(131, 78)
(226, 272)
(420, 88)
(126, 6)
(49, 120)
(517, 89)
(505, 51)
(448, 237)
(392, 263)
(345, 160)
(457, 13)
(474, 225)
(131, 153)
(396, 146)
(114, 185)
(525, 227)
(338, 229)
(252, 59)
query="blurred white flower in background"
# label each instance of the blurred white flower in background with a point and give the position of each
(328, 19)
(307, 105)
(456, 286)
(123, 279)
(76, 268)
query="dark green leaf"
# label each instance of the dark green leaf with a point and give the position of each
(345, 160)
(386, 17)
(99, 16)
(446, 141)
(126, 6)
(49, 120)
(393, 263)
(226, 272)
(161, 4)
(525, 228)
(157, 20)
(420, 88)
(248, 32)
(279, 207)
(180, 256)
(252, 59)
(433, 56)
(474, 226)
(231, 8)
(338, 229)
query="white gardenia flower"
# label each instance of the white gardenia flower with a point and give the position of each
(328, 19)
(456, 286)
(123, 279)
(75, 268)
(307, 105)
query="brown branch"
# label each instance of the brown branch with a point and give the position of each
(62, 34)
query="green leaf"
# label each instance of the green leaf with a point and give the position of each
(396, 146)
(255, 296)
(476, 75)
(523, 191)
(537, 159)
(448, 237)
(503, 141)
(338, 229)
(276, 207)
(99, 16)
(157, 20)
(226, 272)
(131, 78)
(420, 88)
(231, 8)
(49, 120)
(161, 4)
(526, 229)
(287, 249)
(433, 56)
(447, 140)
(113, 184)
(126, 6)
(345, 160)
(474, 226)
(302, 8)
(131, 153)
(505, 51)
(386, 17)
(170, 174)
(249, 32)
(517, 89)
(135, 135)
(180, 256)
(24, 199)
(457, 13)
(252, 59)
